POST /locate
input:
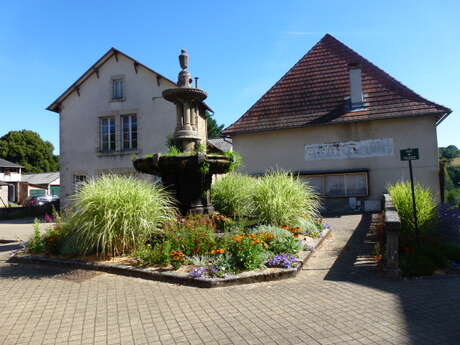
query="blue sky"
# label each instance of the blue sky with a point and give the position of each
(239, 49)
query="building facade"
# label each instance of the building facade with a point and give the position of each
(113, 112)
(339, 122)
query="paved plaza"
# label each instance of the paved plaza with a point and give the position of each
(338, 298)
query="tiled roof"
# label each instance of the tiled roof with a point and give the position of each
(41, 178)
(7, 164)
(222, 144)
(313, 92)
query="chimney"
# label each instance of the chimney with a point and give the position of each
(356, 86)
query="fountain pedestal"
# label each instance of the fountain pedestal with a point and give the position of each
(188, 174)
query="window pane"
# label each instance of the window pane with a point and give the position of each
(134, 132)
(316, 182)
(129, 130)
(112, 134)
(335, 185)
(117, 88)
(356, 184)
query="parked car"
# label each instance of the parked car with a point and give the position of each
(40, 200)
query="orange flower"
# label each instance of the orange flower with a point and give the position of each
(253, 235)
(258, 240)
(265, 245)
(285, 227)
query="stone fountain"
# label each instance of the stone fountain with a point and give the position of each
(187, 174)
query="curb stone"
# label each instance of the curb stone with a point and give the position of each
(171, 276)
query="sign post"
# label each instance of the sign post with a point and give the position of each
(410, 155)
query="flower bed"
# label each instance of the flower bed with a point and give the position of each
(200, 248)
(140, 230)
(197, 276)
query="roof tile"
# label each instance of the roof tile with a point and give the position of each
(313, 92)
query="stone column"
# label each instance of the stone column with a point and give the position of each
(392, 231)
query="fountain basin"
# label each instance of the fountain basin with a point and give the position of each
(187, 176)
(185, 95)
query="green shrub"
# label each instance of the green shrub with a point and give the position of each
(114, 215)
(36, 244)
(426, 208)
(451, 251)
(249, 251)
(453, 196)
(280, 199)
(417, 264)
(232, 195)
(282, 242)
(236, 160)
(309, 227)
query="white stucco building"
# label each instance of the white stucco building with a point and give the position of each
(113, 111)
(339, 122)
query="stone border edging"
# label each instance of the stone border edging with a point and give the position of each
(170, 276)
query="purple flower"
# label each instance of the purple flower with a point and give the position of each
(284, 261)
(199, 272)
(309, 247)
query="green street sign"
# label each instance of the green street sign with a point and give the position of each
(409, 154)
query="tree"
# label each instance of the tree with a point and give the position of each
(28, 149)
(214, 130)
(449, 152)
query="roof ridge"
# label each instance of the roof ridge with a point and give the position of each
(282, 77)
(395, 82)
(101, 61)
(308, 94)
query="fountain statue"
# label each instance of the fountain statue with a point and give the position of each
(188, 170)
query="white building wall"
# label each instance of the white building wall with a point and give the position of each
(79, 121)
(285, 149)
(11, 177)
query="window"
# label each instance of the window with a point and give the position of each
(339, 184)
(117, 89)
(129, 132)
(107, 134)
(78, 181)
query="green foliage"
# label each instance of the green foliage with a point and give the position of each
(426, 208)
(453, 196)
(280, 198)
(36, 245)
(416, 264)
(214, 130)
(248, 252)
(232, 195)
(201, 148)
(204, 168)
(309, 226)
(277, 198)
(28, 149)
(282, 241)
(236, 160)
(114, 215)
(173, 151)
(451, 251)
(449, 152)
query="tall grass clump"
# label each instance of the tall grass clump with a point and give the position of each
(232, 195)
(280, 198)
(427, 215)
(114, 215)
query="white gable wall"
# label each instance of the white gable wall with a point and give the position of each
(79, 121)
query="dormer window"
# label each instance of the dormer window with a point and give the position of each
(117, 89)
(356, 87)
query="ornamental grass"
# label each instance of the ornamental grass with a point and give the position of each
(232, 195)
(277, 198)
(280, 198)
(426, 207)
(114, 215)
